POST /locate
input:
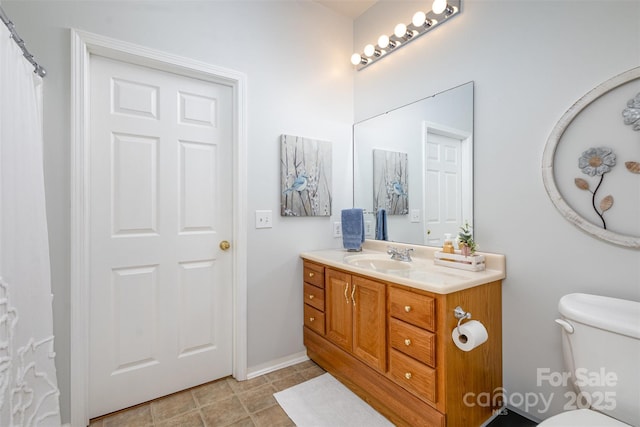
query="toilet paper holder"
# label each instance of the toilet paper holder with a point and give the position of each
(461, 315)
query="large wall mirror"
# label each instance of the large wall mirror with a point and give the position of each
(416, 163)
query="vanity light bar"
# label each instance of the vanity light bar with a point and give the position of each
(422, 23)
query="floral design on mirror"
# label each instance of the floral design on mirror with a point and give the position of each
(593, 120)
(597, 162)
(631, 114)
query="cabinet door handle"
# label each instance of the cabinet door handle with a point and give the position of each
(353, 297)
(310, 296)
(407, 308)
(346, 287)
(311, 274)
(311, 319)
(407, 342)
(407, 375)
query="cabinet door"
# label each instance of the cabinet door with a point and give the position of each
(338, 308)
(369, 329)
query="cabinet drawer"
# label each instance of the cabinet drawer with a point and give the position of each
(314, 319)
(413, 341)
(413, 375)
(314, 274)
(314, 296)
(417, 309)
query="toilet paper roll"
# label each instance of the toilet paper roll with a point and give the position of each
(470, 336)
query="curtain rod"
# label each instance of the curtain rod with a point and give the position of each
(14, 35)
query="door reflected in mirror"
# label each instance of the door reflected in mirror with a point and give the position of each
(435, 182)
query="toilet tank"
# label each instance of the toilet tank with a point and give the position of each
(603, 354)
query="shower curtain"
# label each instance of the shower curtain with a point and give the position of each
(28, 386)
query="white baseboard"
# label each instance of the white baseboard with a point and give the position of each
(276, 364)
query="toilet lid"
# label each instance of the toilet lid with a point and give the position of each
(581, 418)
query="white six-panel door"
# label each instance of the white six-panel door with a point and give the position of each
(160, 290)
(443, 184)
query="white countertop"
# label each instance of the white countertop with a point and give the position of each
(424, 274)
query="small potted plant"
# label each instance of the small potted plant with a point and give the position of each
(465, 240)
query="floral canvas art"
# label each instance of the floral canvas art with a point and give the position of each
(305, 172)
(390, 186)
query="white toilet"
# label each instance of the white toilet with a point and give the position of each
(601, 347)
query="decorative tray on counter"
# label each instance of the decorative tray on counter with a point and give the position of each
(457, 260)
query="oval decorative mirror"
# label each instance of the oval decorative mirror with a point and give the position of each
(591, 162)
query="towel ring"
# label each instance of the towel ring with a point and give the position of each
(461, 315)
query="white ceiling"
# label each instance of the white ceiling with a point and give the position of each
(349, 8)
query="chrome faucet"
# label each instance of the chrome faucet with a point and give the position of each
(399, 254)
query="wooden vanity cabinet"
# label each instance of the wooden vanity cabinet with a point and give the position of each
(391, 344)
(412, 338)
(314, 298)
(355, 316)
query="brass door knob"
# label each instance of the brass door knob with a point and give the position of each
(225, 245)
(408, 375)
(311, 274)
(311, 296)
(407, 308)
(407, 341)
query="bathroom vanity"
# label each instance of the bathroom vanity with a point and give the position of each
(384, 329)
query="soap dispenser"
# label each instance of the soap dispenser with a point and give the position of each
(447, 246)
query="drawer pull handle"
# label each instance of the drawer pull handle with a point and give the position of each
(310, 296)
(311, 319)
(311, 274)
(407, 308)
(353, 292)
(346, 288)
(407, 341)
(407, 375)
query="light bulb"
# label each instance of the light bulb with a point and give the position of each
(439, 6)
(400, 30)
(356, 59)
(369, 50)
(419, 19)
(383, 41)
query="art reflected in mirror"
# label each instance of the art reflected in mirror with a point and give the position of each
(390, 182)
(435, 134)
(305, 174)
(575, 137)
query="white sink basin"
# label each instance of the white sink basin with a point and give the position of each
(377, 262)
(416, 269)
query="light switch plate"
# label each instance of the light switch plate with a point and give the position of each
(368, 228)
(337, 229)
(415, 215)
(264, 219)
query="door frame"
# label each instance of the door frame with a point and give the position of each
(83, 45)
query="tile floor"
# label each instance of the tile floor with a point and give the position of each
(230, 403)
(225, 402)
